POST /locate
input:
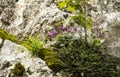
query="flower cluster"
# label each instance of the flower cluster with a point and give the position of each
(63, 28)
(51, 33)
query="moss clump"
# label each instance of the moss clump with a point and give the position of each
(5, 65)
(19, 69)
(49, 56)
(5, 35)
(44, 53)
(55, 64)
(33, 44)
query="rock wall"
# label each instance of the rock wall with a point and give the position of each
(107, 24)
(29, 17)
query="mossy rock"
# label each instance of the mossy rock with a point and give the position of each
(7, 36)
(55, 64)
(6, 65)
(44, 53)
(49, 56)
(19, 69)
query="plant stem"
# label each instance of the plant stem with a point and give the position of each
(85, 34)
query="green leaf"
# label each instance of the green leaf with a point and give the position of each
(88, 23)
(62, 4)
(70, 8)
(88, 26)
(89, 20)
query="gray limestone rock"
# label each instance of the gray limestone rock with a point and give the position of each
(29, 17)
(107, 24)
(11, 53)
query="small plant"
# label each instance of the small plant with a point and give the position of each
(55, 64)
(83, 59)
(61, 30)
(7, 36)
(18, 69)
(61, 41)
(33, 44)
(78, 9)
(4, 35)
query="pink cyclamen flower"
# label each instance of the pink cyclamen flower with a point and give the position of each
(68, 30)
(50, 34)
(75, 28)
(55, 32)
(63, 28)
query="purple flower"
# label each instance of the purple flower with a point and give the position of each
(75, 28)
(63, 28)
(50, 34)
(68, 29)
(55, 32)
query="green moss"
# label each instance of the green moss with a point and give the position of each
(44, 53)
(5, 65)
(32, 43)
(55, 64)
(4, 35)
(19, 69)
(49, 56)
(7, 36)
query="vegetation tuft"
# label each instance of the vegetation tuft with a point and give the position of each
(18, 69)
(83, 59)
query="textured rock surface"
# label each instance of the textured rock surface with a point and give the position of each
(29, 17)
(113, 38)
(107, 24)
(11, 53)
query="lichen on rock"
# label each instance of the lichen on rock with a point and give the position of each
(4, 35)
(19, 69)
